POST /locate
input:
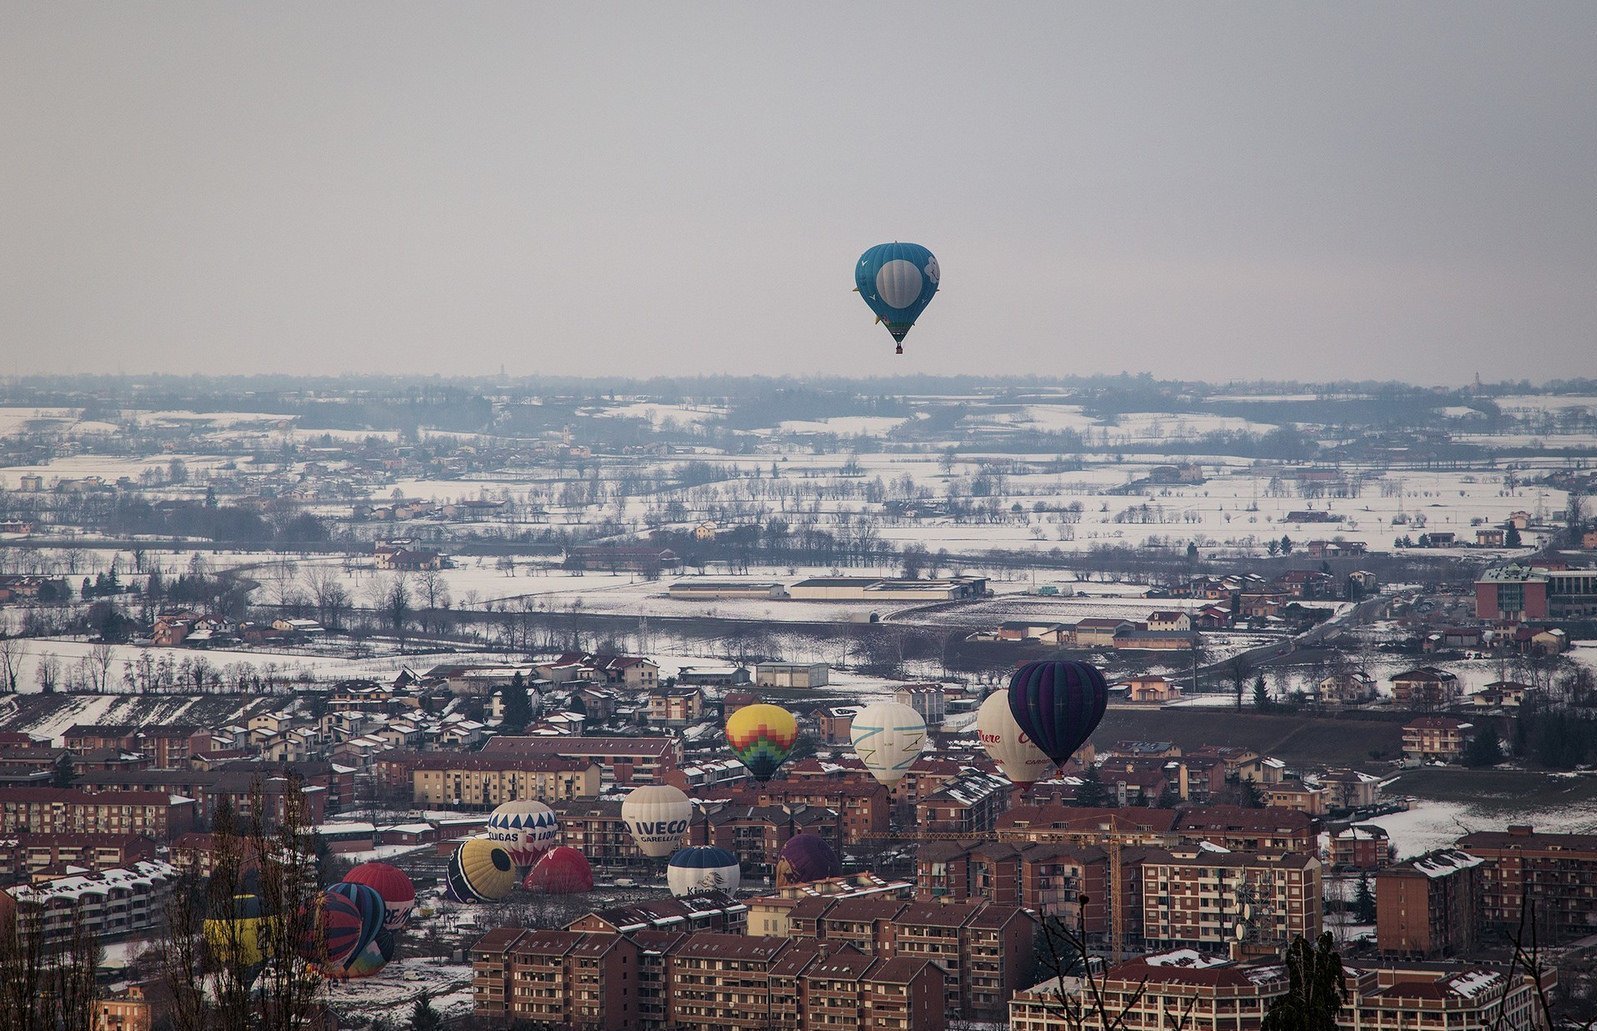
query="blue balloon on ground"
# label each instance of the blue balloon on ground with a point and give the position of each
(898, 281)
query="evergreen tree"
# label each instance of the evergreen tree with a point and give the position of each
(1286, 544)
(1315, 992)
(63, 774)
(1092, 792)
(1511, 538)
(1261, 695)
(1364, 901)
(518, 707)
(1484, 749)
(422, 1015)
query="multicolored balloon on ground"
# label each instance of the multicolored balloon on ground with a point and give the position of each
(888, 738)
(560, 871)
(1020, 760)
(703, 868)
(762, 737)
(525, 828)
(806, 857)
(1058, 704)
(399, 894)
(369, 960)
(658, 815)
(898, 281)
(479, 871)
(335, 930)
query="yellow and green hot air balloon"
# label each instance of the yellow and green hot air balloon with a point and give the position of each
(762, 737)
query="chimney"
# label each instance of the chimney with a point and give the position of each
(1520, 830)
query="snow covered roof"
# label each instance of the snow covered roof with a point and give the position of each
(1445, 862)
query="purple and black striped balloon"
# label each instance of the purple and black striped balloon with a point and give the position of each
(1058, 704)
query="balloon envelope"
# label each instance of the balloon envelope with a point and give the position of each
(761, 736)
(888, 738)
(399, 894)
(703, 868)
(236, 936)
(560, 871)
(658, 816)
(1020, 760)
(1058, 704)
(806, 857)
(333, 932)
(373, 911)
(898, 281)
(368, 960)
(479, 871)
(525, 828)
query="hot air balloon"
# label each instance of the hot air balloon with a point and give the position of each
(399, 895)
(658, 816)
(761, 737)
(524, 828)
(888, 738)
(1010, 747)
(334, 931)
(703, 868)
(368, 960)
(806, 857)
(898, 281)
(560, 871)
(237, 937)
(479, 871)
(373, 910)
(1058, 704)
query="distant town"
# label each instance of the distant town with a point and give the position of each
(500, 703)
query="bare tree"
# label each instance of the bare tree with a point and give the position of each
(1080, 994)
(230, 953)
(47, 981)
(100, 658)
(49, 672)
(11, 653)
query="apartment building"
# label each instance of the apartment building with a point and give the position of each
(482, 781)
(1208, 993)
(1430, 907)
(1427, 738)
(23, 856)
(864, 806)
(68, 811)
(969, 805)
(1203, 899)
(699, 982)
(111, 904)
(1558, 872)
(621, 760)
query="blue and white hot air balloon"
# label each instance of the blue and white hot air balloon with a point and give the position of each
(898, 281)
(703, 868)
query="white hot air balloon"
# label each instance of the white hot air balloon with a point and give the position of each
(526, 828)
(658, 816)
(888, 738)
(1022, 762)
(703, 868)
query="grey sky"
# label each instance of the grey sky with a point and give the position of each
(1205, 190)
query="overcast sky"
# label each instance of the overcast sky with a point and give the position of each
(1203, 190)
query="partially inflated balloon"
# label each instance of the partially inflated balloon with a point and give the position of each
(658, 816)
(1058, 704)
(897, 281)
(761, 736)
(524, 828)
(560, 871)
(703, 868)
(1020, 760)
(238, 937)
(399, 894)
(888, 738)
(368, 960)
(479, 871)
(806, 857)
(373, 910)
(334, 930)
